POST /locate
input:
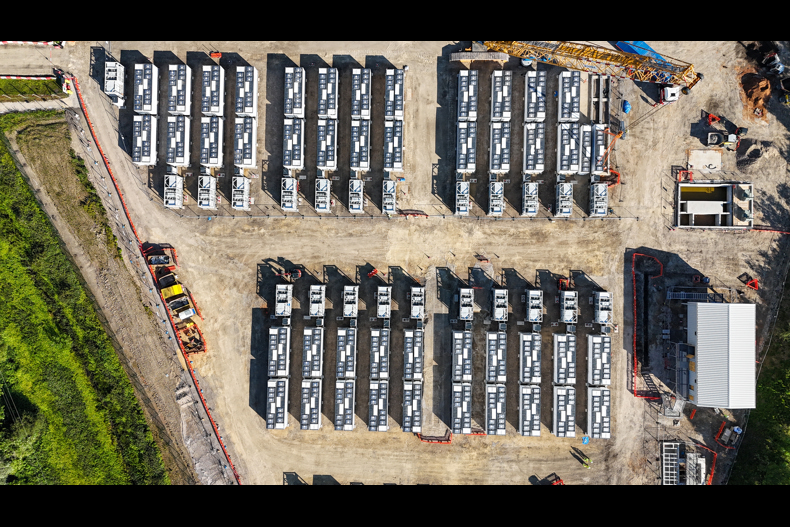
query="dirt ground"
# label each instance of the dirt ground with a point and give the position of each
(227, 261)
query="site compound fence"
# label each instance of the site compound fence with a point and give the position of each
(150, 270)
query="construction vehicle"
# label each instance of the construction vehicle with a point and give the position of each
(172, 291)
(292, 275)
(167, 280)
(784, 91)
(667, 93)
(158, 259)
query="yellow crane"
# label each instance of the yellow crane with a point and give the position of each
(605, 61)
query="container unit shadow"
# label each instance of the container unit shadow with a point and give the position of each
(272, 160)
(340, 179)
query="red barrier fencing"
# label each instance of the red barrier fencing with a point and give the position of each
(150, 270)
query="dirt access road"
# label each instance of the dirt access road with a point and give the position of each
(221, 260)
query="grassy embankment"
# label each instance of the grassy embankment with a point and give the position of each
(68, 413)
(764, 456)
(13, 90)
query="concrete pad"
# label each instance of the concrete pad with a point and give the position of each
(707, 159)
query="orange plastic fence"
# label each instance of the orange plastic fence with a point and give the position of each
(150, 270)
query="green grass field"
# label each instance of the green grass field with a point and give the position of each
(20, 90)
(68, 413)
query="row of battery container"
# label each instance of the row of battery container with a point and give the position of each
(564, 376)
(346, 376)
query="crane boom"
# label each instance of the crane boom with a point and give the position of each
(597, 59)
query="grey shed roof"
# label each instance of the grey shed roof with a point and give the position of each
(564, 418)
(412, 354)
(393, 146)
(379, 353)
(501, 95)
(279, 351)
(496, 401)
(244, 141)
(462, 356)
(599, 419)
(466, 147)
(360, 93)
(467, 95)
(393, 94)
(327, 144)
(346, 353)
(535, 96)
(568, 148)
(177, 151)
(360, 145)
(313, 352)
(499, 148)
(179, 89)
(327, 93)
(723, 336)
(599, 360)
(534, 148)
(529, 351)
(496, 356)
(377, 409)
(310, 418)
(565, 358)
(461, 420)
(529, 410)
(345, 393)
(277, 403)
(412, 406)
(246, 91)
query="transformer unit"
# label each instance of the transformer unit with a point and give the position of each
(114, 79)
(462, 198)
(388, 197)
(418, 303)
(356, 191)
(534, 306)
(603, 308)
(569, 306)
(383, 301)
(350, 301)
(499, 305)
(531, 203)
(288, 197)
(240, 194)
(466, 299)
(564, 199)
(317, 300)
(496, 198)
(599, 199)
(294, 106)
(174, 191)
(323, 193)
(283, 300)
(207, 192)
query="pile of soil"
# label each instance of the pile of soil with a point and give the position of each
(758, 91)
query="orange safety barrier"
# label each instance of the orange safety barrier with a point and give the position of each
(195, 304)
(633, 281)
(150, 270)
(721, 429)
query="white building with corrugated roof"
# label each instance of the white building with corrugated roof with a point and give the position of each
(721, 353)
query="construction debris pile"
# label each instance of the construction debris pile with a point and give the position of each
(758, 91)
